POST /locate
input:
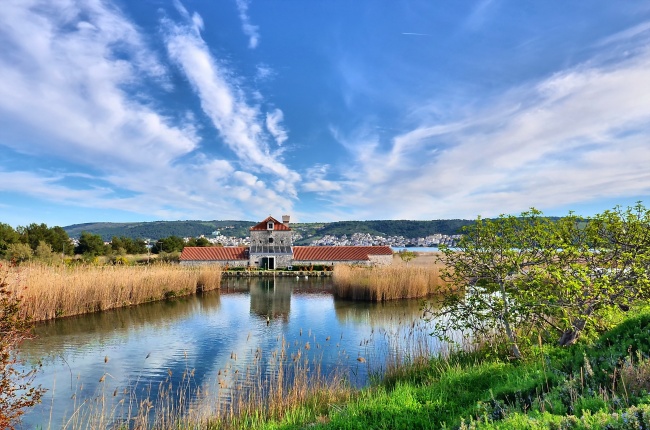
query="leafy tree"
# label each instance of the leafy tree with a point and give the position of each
(44, 253)
(138, 246)
(8, 236)
(90, 244)
(531, 272)
(169, 245)
(198, 241)
(60, 241)
(407, 256)
(56, 237)
(128, 245)
(16, 390)
(19, 252)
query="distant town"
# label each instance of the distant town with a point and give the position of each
(356, 239)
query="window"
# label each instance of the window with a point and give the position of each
(269, 225)
(270, 240)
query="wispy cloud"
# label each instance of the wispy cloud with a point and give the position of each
(576, 136)
(315, 180)
(274, 126)
(250, 30)
(416, 34)
(75, 79)
(480, 14)
(240, 125)
(264, 72)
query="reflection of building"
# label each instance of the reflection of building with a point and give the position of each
(271, 248)
(269, 300)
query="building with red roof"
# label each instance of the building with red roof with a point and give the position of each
(271, 248)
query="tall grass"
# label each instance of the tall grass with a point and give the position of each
(284, 384)
(387, 282)
(56, 291)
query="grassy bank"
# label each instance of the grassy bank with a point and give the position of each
(603, 384)
(57, 291)
(387, 282)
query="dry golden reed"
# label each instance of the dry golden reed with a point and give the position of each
(392, 282)
(56, 291)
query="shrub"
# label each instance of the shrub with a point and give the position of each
(16, 390)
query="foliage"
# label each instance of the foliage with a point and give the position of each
(407, 256)
(168, 245)
(128, 245)
(90, 245)
(409, 229)
(18, 252)
(16, 392)
(198, 241)
(160, 229)
(533, 273)
(56, 237)
(8, 236)
(169, 257)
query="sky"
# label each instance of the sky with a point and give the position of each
(121, 111)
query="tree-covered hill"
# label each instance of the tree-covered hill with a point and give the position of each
(404, 228)
(160, 229)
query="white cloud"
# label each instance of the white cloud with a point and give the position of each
(264, 72)
(250, 30)
(577, 136)
(238, 123)
(75, 89)
(274, 126)
(315, 180)
(63, 88)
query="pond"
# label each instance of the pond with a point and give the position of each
(202, 341)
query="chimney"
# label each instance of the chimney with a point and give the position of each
(285, 220)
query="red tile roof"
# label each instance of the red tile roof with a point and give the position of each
(277, 225)
(214, 253)
(338, 253)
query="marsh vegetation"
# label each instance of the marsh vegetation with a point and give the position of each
(53, 291)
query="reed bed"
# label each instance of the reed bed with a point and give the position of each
(56, 291)
(381, 283)
(283, 384)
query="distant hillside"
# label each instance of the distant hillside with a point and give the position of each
(408, 229)
(159, 229)
(309, 231)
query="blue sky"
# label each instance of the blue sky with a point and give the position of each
(115, 110)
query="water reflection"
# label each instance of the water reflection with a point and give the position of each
(210, 337)
(269, 300)
(56, 337)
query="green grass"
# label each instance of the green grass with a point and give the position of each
(602, 383)
(580, 387)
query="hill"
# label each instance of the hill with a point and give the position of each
(309, 231)
(160, 229)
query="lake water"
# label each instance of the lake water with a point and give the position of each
(133, 353)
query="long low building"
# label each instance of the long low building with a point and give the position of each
(271, 248)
